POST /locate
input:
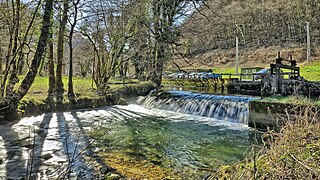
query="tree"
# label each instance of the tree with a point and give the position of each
(75, 4)
(51, 65)
(108, 30)
(11, 102)
(162, 22)
(59, 90)
(20, 33)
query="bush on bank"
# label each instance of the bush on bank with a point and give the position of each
(292, 153)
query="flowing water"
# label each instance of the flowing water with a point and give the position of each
(221, 107)
(140, 141)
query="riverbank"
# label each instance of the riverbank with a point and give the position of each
(273, 112)
(116, 96)
(291, 153)
(35, 103)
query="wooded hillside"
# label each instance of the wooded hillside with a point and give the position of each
(280, 24)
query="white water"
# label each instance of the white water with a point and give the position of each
(226, 108)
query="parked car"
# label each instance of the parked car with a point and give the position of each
(180, 75)
(208, 75)
(215, 76)
(192, 75)
(260, 73)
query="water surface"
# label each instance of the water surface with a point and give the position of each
(137, 141)
(176, 145)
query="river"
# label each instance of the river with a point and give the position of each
(155, 138)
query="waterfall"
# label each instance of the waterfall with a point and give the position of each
(221, 107)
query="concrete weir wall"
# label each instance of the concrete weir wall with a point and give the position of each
(273, 115)
(266, 115)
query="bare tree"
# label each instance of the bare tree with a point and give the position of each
(11, 102)
(75, 4)
(108, 31)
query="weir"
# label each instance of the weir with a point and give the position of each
(220, 107)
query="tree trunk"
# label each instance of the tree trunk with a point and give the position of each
(158, 52)
(7, 65)
(59, 84)
(71, 94)
(26, 83)
(21, 62)
(13, 79)
(51, 68)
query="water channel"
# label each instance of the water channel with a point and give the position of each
(171, 134)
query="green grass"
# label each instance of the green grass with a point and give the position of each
(39, 88)
(83, 87)
(298, 100)
(224, 70)
(311, 71)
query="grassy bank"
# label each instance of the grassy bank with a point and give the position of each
(292, 153)
(35, 102)
(295, 100)
(311, 71)
(83, 87)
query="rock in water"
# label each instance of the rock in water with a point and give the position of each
(122, 102)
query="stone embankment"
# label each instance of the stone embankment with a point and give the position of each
(273, 115)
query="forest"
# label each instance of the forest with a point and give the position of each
(85, 38)
(257, 23)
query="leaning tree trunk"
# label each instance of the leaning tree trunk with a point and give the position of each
(9, 106)
(13, 79)
(59, 84)
(17, 52)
